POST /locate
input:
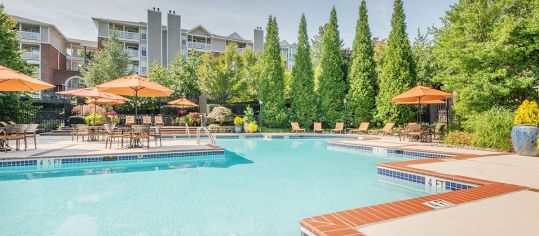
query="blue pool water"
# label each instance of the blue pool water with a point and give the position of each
(259, 187)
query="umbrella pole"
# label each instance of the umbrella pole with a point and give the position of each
(95, 110)
(136, 104)
(419, 111)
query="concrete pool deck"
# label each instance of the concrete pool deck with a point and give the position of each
(506, 201)
(55, 146)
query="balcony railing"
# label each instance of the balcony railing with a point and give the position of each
(201, 46)
(132, 53)
(29, 36)
(125, 35)
(31, 56)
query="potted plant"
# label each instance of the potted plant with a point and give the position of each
(249, 116)
(252, 127)
(524, 133)
(112, 117)
(238, 121)
(193, 119)
(180, 120)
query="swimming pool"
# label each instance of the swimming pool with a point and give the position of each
(258, 187)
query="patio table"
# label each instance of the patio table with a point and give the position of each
(93, 133)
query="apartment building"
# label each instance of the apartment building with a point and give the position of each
(288, 52)
(54, 58)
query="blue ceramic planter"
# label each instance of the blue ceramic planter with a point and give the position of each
(524, 140)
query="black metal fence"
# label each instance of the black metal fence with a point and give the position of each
(47, 118)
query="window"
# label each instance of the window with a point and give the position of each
(184, 42)
(74, 82)
(143, 52)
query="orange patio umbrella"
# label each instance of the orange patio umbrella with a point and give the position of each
(14, 81)
(104, 101)
(135, 85)
(421, 95)
(183, 102)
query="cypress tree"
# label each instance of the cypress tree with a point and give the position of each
(398, 71)
(363, 81)
(332, 84)
(302, 97)
(273, 111)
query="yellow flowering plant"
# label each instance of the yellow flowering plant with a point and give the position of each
(527, 114)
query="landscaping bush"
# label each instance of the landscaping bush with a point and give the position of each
(527, 114)
(249, 115)
(89, 119)
(458, 138)
(220, 115)
(491, 129)
(169, 110)
(75, 120)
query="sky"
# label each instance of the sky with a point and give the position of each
(73, 17)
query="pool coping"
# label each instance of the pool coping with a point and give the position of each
(348, 222)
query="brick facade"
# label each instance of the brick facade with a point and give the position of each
(51, 60)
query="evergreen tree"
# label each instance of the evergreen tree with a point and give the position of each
(316, 49)
(398, 71)
(273, 111)
(363, 79)
(424, 58)
(332, 84)
(302, 97)
(251, 74)
(109, 63)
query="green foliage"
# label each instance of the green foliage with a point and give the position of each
(302, 96)
(220, 77)
(527, 114)
(98, 118)
(363, 78)
(10, 55)
(248, 115)
(109, 63)
(272, 85)
(398, 71)
(75, 120)
(458, 138)
(424, 58)
(488, 53)
(251, 74)
(238, 120)
(332, 81)
(180, 76)
(316, 49)
(491, 129)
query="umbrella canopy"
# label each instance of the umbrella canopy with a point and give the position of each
(92, 93)
(104, 101)
(419, 93)
(183, 102)
(14, 81)
(422, 102)
(135, 85)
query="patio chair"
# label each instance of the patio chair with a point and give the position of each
(339, 128)
(439, 131)
(17, 133)
(318, 127)
(296, 128)
(363, 128)
(112, 133)
(147, 120)
(80, 130)
(31, 132)
(130, 120)
(159, 120)
(138, 133)
(414, 132)
(156, 134)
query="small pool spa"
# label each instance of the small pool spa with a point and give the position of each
(257, 186)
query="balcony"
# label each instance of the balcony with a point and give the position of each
(125, 35)
(29, 36)
(132, 53)
(31, 56)
(199, 46)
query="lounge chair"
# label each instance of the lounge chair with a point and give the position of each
(318, 127)
(4, 124)
(363, 128)
(296, 128)
(339, 128)
(11, 123)
(159, 120)
(387, 130)
(147, 120)
(130, 120)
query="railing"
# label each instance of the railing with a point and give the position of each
(210, 136)
(34, 56)
(132, 53)
(125, 35)
(31, 36)
(203, 46)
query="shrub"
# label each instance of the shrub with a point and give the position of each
(527, 114)
(492, 129)
(238, 120)
(75, 120)
(193, 119)
(252, 127)
(249, 115)
(458, 138)
(220, 115)
(89, 119)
